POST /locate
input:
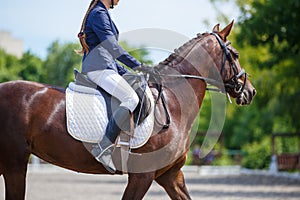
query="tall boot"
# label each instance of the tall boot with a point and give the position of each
(104, 149)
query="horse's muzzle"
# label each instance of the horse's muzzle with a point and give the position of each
(247, 96)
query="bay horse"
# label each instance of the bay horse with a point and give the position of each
(33, 120)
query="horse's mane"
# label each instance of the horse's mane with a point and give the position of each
(180, 53)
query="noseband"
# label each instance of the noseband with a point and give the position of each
(233, 83)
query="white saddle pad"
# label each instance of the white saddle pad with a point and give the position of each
(87, 116)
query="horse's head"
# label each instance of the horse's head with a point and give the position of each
(235, 79)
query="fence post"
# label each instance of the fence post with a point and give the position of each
(273, 165)
(273, 168)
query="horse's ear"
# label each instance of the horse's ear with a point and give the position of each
(226, 31)
(216, 28)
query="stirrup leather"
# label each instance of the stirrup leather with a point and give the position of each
(125, 145)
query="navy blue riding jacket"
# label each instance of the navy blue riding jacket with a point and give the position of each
(102, 39)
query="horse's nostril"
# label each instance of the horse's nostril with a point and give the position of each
(254, 92)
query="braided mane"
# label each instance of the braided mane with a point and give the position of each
(180, 53)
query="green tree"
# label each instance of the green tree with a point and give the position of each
(60, 62)
(272, 23)
(267, 37)
(258, 154)
(9, 67)
(273, 26)
(31, 68)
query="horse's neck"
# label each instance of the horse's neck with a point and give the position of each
(193, 58)
(198, 57)
(190, 59)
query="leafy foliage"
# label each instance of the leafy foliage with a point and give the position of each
(258, 154)
(9, 67)
(31, 68)
(60, 62)
(271, 23)
(267, 37)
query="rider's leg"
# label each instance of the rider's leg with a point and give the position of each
(115, 85)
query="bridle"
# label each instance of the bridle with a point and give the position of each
(233, 83)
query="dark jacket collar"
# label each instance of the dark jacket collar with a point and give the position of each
(101, 5)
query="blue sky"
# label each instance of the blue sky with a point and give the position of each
(39, 22)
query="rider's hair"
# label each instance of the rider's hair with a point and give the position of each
(82, 34)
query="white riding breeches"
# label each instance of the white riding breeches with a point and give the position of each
(116, 85)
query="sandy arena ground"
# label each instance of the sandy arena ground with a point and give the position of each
(65, 185)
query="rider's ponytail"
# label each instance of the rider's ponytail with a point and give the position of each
(82, 34)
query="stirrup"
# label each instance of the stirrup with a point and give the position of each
(105, 157)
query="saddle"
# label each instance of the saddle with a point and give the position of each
(136, 81)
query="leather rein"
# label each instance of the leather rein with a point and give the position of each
(229, 85)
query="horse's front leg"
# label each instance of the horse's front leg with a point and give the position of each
(138, 185)
(174, 184)
(173, 181)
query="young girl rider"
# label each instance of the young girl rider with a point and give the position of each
(99, 40)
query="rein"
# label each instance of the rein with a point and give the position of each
(207, 80)
(231, 84)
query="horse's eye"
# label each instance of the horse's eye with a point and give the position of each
(236, 55)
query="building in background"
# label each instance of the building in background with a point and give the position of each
(11, 45)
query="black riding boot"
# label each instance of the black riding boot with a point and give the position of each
(103, 151)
